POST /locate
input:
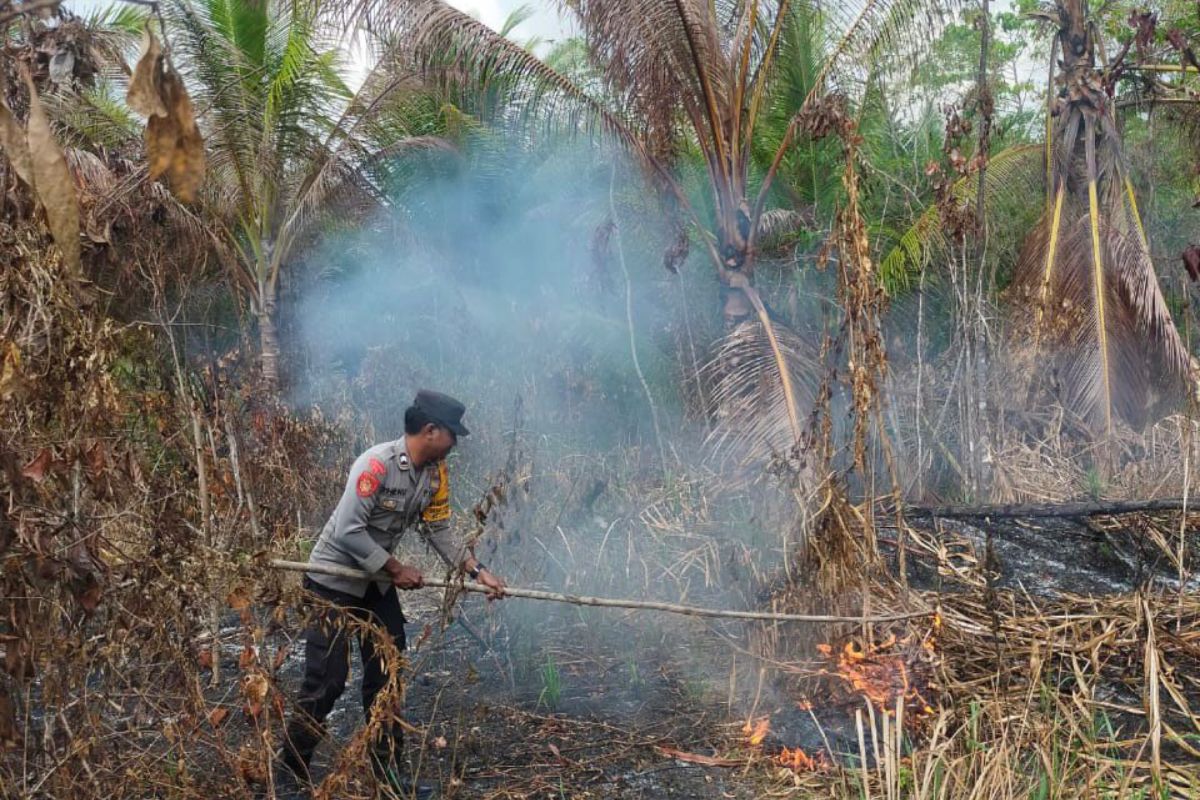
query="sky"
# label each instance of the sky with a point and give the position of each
(546, 23)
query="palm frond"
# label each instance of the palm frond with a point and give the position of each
(747, 400)
(517, 17)
(858, 32)
(1112, 344)
(1012, 174)
(459, 51)
(118, 18)
(778, 225)
(96, 116)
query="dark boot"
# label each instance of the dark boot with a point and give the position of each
(300, 740)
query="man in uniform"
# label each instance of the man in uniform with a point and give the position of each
(391, 487)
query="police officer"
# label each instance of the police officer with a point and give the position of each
(391, 488)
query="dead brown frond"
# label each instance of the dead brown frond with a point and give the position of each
(1086, 269)
(747, 397)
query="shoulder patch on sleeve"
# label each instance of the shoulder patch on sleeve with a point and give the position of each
(367, 484)
(377, 467)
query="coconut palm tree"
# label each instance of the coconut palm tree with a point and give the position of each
(290, 142)
(670, 76)
(1086, 267)
(1108, 346)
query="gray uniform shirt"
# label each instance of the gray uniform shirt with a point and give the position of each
(385, 495)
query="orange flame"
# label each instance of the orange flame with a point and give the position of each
(886, 672)
(756, 733)
(799, 761)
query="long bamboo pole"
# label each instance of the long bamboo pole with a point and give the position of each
(604, 602)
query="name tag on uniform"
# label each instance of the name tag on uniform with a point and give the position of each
(390, 505)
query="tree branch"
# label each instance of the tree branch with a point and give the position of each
(605, 602)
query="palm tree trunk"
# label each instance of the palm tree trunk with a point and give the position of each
(268, 337)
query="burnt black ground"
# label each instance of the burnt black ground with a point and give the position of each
(504, 739)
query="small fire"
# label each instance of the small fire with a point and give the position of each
(888, 671)
(757, 732)
(799, 761)
(794, 759)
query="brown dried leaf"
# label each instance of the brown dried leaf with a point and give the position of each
(699, 758)
(187, 169)
(54, 185)
(17, 659)
(247, 658)
(239, 598)
(12, 141)
(217, 716)
(255, 688)
(36, 469)
(134, 470)
(250, 765)
(145, 88)
(161, 135)
(10, 734)
(205, 658)
(1190, 256)
(10, 370)
(280, 656)
(173, 142)
(95, 460)
(89, 598)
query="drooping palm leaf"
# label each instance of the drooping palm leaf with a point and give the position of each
(747, 398)
(1086, 268)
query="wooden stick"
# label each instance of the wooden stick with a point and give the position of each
(605, 602)
(1048, 509)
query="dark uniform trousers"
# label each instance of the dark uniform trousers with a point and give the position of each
(327, 665)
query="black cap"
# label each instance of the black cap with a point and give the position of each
(442, 409)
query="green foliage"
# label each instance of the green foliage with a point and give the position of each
(551, 693)
(98, 117)
(810, 173)
(636, 683)
(1014, 176)
(117, 17)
